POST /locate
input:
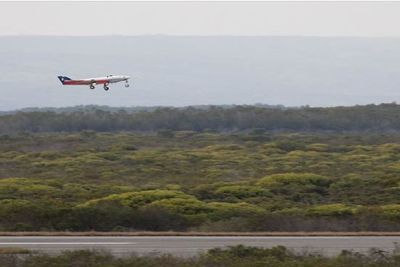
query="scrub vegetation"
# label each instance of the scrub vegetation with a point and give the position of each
(238, 256)
(168, 179)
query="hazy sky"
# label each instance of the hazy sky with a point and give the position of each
(201, 18)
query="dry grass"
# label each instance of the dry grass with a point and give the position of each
(199, 233)
(14, 250)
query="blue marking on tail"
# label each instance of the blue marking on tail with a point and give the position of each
(63, 78)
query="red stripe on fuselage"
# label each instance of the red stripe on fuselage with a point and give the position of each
(83, 82)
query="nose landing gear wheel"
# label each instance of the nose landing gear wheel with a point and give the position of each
(127, 85)
(106, 87)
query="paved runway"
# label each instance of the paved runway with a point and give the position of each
(190, 246)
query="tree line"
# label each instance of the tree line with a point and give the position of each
(383, 117)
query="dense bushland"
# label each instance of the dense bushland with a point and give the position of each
(238, 256)
(384, 117)
(185, 180)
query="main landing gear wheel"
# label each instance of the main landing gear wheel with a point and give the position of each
(92, 86)
(106, 87)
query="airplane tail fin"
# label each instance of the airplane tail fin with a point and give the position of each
(63, 79)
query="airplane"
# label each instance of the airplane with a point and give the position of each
(93, 81)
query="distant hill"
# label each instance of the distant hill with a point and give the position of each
(181, 71)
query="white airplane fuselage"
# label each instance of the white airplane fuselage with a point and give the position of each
(93, 81)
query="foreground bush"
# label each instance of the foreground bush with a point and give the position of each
(239, 256)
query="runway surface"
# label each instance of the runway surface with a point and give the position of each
(190, 246)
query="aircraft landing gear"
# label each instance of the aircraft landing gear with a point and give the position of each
(126, 84)
(106, 87)
(92, 84)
